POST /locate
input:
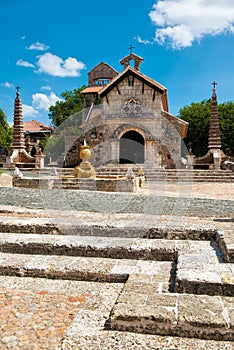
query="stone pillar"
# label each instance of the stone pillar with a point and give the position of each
(114, 151)
(18, 135)
(152, 156)
(190, 159)
(40, 161)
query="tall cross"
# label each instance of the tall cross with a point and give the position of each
(17, 88)
(130, 48)
(214, 84)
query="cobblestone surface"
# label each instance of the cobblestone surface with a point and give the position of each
(26, 313)
(36, 313)
(117, 202)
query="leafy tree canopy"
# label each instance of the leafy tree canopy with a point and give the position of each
(5, 132)
(198, 116)
(73, 102)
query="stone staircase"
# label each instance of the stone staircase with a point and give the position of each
(74, 184)
(171, 281)
(171, 175)
(159, 174)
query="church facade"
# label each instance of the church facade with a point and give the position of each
(131, 124)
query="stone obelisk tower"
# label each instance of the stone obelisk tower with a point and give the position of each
(214, 133)
(19, 156)
(18, 135)
(214, 142)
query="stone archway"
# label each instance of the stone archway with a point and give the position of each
(131, 148)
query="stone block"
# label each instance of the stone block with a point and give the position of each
(202, 316)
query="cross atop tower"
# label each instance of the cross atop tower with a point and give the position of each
(214, 84)
(130, 48)
(17, 88)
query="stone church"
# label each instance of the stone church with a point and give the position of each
(126, 119)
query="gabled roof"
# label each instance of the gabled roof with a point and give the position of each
(101, 71)
(34, 125)
(103, 65)
(129, 70)
(130, 57)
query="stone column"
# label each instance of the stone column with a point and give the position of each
(114, 151)
(152, 157)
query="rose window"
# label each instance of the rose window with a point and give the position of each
(132, 108)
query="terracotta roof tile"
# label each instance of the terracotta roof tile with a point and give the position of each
(92, 89)
(34, 125)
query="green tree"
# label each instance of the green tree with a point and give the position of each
(5, 132)
(198, 116)
(73, 102)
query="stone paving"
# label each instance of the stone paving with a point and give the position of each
(138, 279)
(183, 204)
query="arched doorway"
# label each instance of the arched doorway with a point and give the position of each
(132, 148)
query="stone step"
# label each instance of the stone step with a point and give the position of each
(198, 267)
(143, 310)
(83, 268)
(184, 180)
(204, 274)
(95, 226)
(225, 240)
(90, 246)
(74, 184)
(174, 175)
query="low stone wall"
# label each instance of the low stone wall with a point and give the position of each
(29, 182)
(110, 184)
(117, 184)
(5, 180)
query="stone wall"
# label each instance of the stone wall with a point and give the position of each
(29, 182)
(160, 131)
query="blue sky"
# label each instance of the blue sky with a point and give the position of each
(50, 46)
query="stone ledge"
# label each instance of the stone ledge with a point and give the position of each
(116, 227)
(90, 246)
(78, 268)
(203, 317)
(226, 242)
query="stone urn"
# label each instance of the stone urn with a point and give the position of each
(85, 170)
(85, 153)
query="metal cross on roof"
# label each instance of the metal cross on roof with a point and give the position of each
(130, 48)
(17, 88)
(214, 84)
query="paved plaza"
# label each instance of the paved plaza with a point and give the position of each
(151, 270)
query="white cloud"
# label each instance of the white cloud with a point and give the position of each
(143, 41)
(56, 66)
(38, 46)
(46, 87)
(7, 85)
(40, 102)
(29, 111)
(23, 37)
(23, 63)
(181, 22)
(43, 102)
